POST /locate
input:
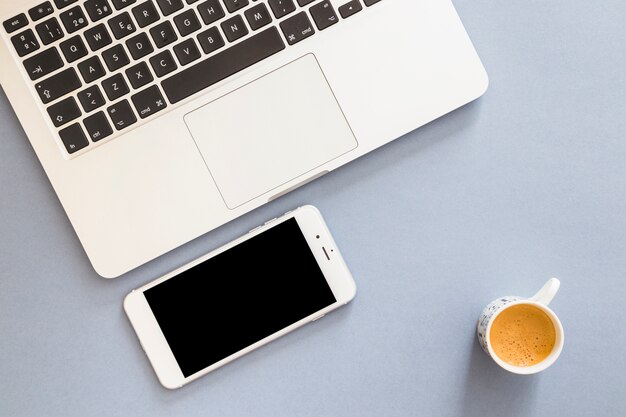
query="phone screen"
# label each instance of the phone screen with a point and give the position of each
(239, 297)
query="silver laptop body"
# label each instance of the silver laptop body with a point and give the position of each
(157, 121)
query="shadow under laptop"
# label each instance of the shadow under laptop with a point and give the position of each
(490, 390)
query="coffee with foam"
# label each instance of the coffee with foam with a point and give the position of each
(522, 335)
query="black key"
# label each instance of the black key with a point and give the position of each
(139, 75)
(91, 98)
(211, 40)
(305, 2)
(139, 46)
(282, 7)
(63, 3)
(211, 11)
(297, 27)
(122, 115)
(97, 9)
(234, 5)
(73, 138)
(58, 85)
(223, 65)
(41, 11)
(323, 14)
(15, 23)
(73, 48)
(98, 127)
(368, 3)
(91, 69)
(121, 25)
(25, 42)
(115, 58)
(74, 19)
(187, 22)
(149, 102)
(163, 63)
(43, 63)
(258, 16)
(49, 31)
(193, 1)
(64, 111)
(170, 6)
(350, 8)
(145, 14)
(234, 28)
(187, 52)
(163, 34)
(115, 87)
(120, 4)
(97, 37)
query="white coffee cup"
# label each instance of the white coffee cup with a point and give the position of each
(540, 301)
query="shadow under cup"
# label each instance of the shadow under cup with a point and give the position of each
(545, 363)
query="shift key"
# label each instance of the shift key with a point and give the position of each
(58, 85)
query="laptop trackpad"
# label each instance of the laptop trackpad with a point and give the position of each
(276, 129)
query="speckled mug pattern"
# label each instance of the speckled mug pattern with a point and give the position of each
(487, 315)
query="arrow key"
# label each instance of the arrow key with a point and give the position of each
(350, 8)
(64, 111)
(43, 63)
(122, 115)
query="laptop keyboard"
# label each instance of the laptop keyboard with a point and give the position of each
(101, 66)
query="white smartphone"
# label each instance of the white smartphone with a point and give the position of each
(259, 287)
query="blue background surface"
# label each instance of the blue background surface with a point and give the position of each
(526, 183)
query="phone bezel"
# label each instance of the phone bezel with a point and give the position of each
(333, 267)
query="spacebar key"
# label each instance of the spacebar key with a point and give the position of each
(222, 65)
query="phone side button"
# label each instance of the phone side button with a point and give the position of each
(256, 228)
(317, 318)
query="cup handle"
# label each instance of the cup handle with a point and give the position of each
(547, 292)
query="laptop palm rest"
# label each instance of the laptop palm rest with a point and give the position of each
(279, 128)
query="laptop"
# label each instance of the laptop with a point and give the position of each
(157, 121)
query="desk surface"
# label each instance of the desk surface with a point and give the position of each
(526, 183)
